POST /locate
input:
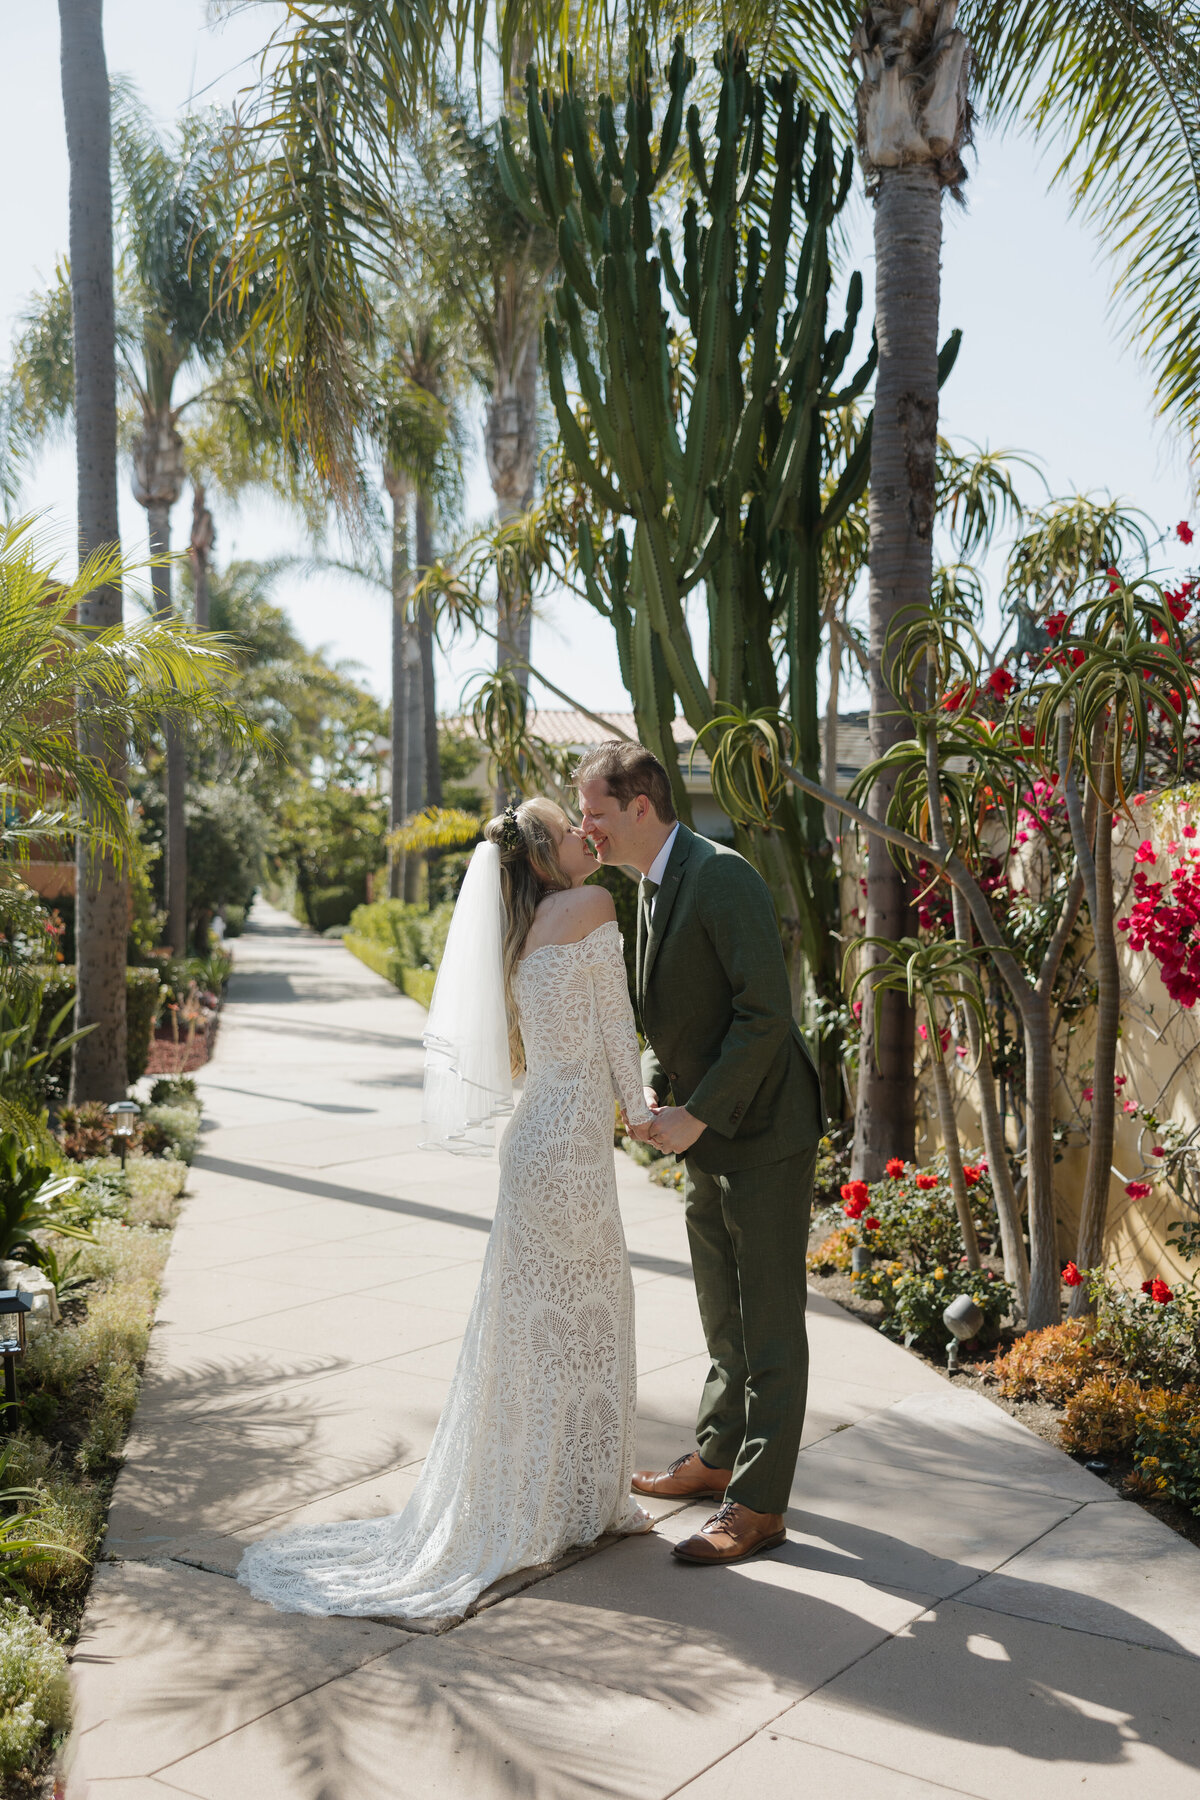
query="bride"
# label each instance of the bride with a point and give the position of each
(534, 1449)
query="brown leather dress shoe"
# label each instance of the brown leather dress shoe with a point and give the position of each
(733, 1532)
(686, 1479)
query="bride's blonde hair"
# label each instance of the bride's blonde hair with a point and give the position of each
(529, 870)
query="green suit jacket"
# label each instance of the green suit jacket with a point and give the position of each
(716, 1011)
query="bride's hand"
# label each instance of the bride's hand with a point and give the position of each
(641, 1133)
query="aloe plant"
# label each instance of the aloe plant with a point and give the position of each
(708, 375)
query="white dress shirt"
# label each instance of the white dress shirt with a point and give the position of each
(658, 867)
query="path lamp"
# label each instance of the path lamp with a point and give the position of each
(13, 1307)
(124, 1115)
(963, 1319)
(861, 1258)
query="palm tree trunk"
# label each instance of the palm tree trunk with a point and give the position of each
(510, 440)
(158, 517)
(98, 1064)
(397, 489)
(908, 235)
(433, 765)
(1093, 1217)
(203, 538)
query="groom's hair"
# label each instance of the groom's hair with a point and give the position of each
(629, 770)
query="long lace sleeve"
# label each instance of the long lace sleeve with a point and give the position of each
(617, 1029)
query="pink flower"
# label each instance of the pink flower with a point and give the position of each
(1138, 1190)
(1184, 532)
(1145, 852)
(1130, 1106)
(1088, 1093)
(1157, 1150)
(1189, 831)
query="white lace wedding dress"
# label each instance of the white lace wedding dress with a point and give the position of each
(534, 1449)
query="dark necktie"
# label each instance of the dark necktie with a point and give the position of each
(646, 892)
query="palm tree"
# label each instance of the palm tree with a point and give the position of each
(166, 321)
(170, 236)
(454, 220)
(102, 896)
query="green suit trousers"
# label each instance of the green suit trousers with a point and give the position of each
(749, 1237)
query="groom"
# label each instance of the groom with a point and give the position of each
(735, 1093)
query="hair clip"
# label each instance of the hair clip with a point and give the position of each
(511, 836)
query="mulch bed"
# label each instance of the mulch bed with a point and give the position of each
(1038, 1415)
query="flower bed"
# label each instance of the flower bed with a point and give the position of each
(103, 1234)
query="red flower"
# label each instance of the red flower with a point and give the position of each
(1145, 852)
(1158, 1290)
(1071, 1276)
(971, 1174)
(955, 698)
(1088, 1093)
(1027, 734)
(871, 1224)
(1054, 624)
(1184, 532)
(1139, 1190)
(894, 1167)
(1000, 684)
(1179, 606)
(926, 1182)
(1114, 579)
(855, 1190)
(1157, 1150)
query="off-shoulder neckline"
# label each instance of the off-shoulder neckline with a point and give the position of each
(572, 944)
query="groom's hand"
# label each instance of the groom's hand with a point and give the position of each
(675, 1130)
(652, 1100)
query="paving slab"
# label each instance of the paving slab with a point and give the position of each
(171, 1658)
(233, 1460)
(1112, 1570)
(434, 1722)
(961, 1435)
(997, 1707)
(771, 1765)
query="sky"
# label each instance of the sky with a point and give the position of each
(1042, 367)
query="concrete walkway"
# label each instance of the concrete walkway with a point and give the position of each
(960, 1609)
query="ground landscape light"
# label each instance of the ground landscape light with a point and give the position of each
(964, 1320)
(13, 1307)
(124, 1115)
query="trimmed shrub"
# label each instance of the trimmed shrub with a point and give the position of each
(1102, 1416)
(330, 906)
(171, 1128)
(1167, 1448)
(143, 997)
(35, 1694)
(833, 1252)
(1048, 1365)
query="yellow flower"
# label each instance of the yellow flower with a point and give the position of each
(939, 1274)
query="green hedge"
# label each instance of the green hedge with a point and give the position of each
(143, 997)
(328, 906)
(387, 961)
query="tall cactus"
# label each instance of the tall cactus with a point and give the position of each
(705, 371)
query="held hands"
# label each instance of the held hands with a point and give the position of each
(674, 1130)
